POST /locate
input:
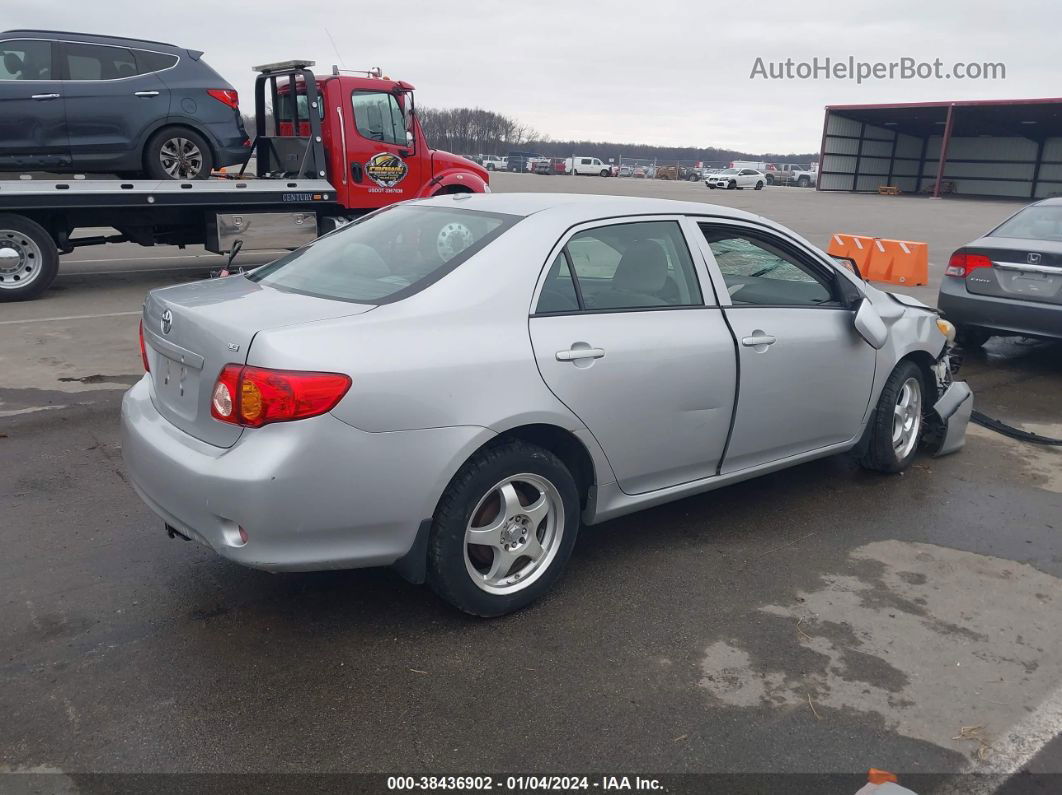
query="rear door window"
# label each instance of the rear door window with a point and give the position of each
(147, 62)
(26, 59)
(386, 256)
(96, 62)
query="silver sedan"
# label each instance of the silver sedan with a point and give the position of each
(452, 386)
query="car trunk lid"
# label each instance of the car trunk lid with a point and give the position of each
(192, 331)
(1024, 270)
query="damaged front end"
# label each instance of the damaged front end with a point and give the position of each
(947, 420)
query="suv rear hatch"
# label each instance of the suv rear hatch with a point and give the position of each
(192, 331)
(1022, 270)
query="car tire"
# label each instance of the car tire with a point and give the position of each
(770, 180)
(35, 263)
(711, 187)
(471, 576)
(895, 428)
(732, 185)
(490, 166)
(759, 185)
(604, 172)
(971, 337)
(178, 153)
(803, 182)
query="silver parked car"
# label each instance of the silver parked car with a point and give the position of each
(453, 386)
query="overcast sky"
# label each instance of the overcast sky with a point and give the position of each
(670, 72)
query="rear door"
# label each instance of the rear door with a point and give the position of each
(623, 336)
(109, 104)
(806, 374)
(382, 166)
(32, 115)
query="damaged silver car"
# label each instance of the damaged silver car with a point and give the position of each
(453, 386)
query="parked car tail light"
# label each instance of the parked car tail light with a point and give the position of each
(143, 349)
(962, 263)
(228, 96)
(257, 396)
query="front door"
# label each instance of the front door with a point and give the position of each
(383, 166)
(624, 338)
(32, 113)
(109, 105)
(806, 374)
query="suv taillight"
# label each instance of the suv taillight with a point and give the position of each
(228, 96)
(257, 396)
(143, 349)
(961, 264)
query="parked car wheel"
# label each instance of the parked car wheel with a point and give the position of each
(504, 529)
(604, 172)
(770, 180)
(178, 153)
(29, 259)
(896, 426)
(804, 182)
(759, 185)
(731, 185)
(490, 166)
(971, 337)
(710, 186)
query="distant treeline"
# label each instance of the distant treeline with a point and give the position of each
(474, 131)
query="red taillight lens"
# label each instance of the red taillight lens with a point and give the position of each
(228, 96)
(257, 396)
(961, 264)
(143, 349)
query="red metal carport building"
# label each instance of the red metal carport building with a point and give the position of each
(999, 148)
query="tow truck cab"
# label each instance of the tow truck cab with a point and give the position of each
(374, 147)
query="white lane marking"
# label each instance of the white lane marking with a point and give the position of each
(66, 317)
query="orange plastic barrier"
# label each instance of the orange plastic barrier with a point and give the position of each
(898, 262)
(858, 247)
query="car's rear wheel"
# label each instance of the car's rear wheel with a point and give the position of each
(971, 337)
(896, 426)
(29, 259)
(178, 153)
(504, 529)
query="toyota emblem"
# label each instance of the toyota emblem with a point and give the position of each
(167, 321)
(1033, 258)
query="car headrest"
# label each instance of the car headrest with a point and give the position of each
(642, 268)
(12, 63)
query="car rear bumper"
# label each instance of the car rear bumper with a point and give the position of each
(1004, 315)
(312, 494)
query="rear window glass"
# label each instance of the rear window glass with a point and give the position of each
(1042, 222)
(153, 61)
(385, 256)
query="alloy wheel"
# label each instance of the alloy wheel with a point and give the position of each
(181, 158)
(907, 418)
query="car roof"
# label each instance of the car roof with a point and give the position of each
(586, 206)
(92, 38)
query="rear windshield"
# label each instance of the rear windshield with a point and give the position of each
(1039, 222)
(386, 256)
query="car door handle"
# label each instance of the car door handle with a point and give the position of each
(758, 339)
(45, 97)
(574, 354)
(145, 93)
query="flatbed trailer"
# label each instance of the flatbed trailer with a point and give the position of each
(341, 147)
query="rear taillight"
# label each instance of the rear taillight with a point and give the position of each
(228, 96)
(143, 349)
(961, 264)
(257, 396)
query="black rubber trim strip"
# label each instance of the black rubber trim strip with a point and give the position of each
(1009, 430)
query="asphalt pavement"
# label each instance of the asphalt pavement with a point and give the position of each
(817, 620)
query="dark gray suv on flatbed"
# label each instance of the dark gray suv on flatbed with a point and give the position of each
(86, 103)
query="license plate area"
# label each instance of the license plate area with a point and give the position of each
(177, 386)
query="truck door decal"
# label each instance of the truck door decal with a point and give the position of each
(386, 169)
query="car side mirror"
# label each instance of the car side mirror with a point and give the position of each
(870, 325)
(847, 263)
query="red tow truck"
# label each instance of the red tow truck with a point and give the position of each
(339, 146)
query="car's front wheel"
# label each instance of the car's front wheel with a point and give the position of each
(178, 153)
(759, 185)
(731, 185)
(504, 529)
(895, 428)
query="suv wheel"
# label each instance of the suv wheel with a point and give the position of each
(504, 529)
(804, 182)
(178, 153)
